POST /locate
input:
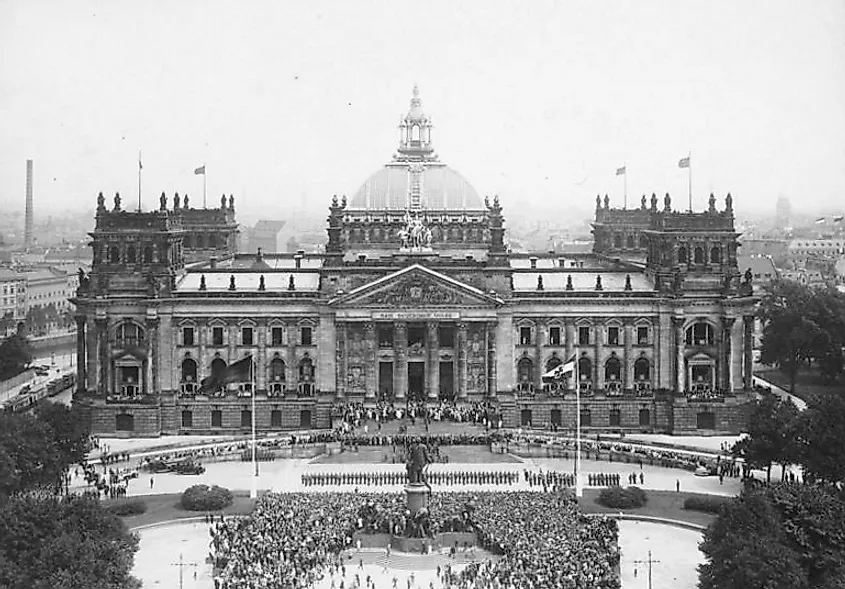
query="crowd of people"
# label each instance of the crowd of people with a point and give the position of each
(468, 477)
(350, 415)
(295, 540)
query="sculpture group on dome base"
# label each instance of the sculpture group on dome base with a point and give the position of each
(415, 236)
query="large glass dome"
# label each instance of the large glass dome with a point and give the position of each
(441, 188)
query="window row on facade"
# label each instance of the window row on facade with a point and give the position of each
(247, 335)
(585, 335)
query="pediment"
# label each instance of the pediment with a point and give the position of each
(415, 287)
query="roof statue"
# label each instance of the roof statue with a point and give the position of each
(415, 236)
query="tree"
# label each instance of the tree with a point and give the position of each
(31, 448)
(821, 438)
(782, 536)
(15, 355)
(772, 428)
(64, 543)
(71, 429)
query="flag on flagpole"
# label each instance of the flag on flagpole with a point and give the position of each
(200, 170)
(140, 165)
(838, 218)
(240, 371)
(561, 369)
(683, 162)
(620, 171)
(820, 220)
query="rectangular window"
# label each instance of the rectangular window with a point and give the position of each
(642, 336)
(613, 336)
(586, 418)
(645, 417)
(615, 417)
(187, 418)
(276, 336)
(385, 336)
(583, 336)
(554, 336)
(187, 336)
(246, 336)
(446, 336)
(524, 336)
(216, 418)
(305, 336)
(275, 418)
(216, 336)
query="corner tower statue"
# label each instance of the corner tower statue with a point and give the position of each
(417, 295)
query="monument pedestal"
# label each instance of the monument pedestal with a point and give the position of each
(417, 496)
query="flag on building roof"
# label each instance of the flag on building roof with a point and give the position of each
(683, 162)
(820, 220)
(200, 170)
(838, 218)
(620, 171)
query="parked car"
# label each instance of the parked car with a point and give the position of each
(189, 467)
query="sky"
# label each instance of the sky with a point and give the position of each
(287, 103)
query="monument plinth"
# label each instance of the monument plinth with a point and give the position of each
(417, 495)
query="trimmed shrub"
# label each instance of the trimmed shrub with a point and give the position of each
(707, 504)
(128, 507)
(205, 498)
(619, 498)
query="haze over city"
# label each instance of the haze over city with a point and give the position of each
(288, 103)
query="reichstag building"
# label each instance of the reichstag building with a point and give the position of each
(416, 297)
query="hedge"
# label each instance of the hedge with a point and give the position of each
(128, 507)
(707, 504)
(619, 498)
(205, 498)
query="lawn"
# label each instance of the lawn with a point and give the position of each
(665, 504)
(808, 384)
(385, 455)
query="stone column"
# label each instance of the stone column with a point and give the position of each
(292, 376)
(492, 387)
(372, 362)
(628, 355)
(151, 386)
(678, 324)
(340, 362)
(539, 337)
(104, 387)
(462, 360)
(231, 343)
(569, 328)
(598, 366)
(432, 371)
(81, 385)
(400, 359)
(203, 363)
(92, 355)
(748, 351)
(261, 360)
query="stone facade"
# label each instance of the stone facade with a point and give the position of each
(413, 299)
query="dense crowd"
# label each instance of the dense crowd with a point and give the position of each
(294, 540)
(354, 414)
(469, 477)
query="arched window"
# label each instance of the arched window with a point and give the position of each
(415, 133)
(218, 367)
(188, 241)
(277, 370)
(212, 241)
(553, 363)
(617, 241)
(715, 256)
(306, 370)
(114, 255)
(128, 335)
(699, 255)
(682, 255)
(148, 255)
(643, 241)
(130, 254)
(189, 370)
(700, 334)
(630, 241)
(525, 371)
(585, 369)
(613, 370)
(642, 370)
(200, 241)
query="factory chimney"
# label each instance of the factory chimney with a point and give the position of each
(28, 227)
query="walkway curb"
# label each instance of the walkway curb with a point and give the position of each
(168, 522)
(651, 519)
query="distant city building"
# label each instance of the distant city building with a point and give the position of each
(801, 250)
(269, 236)
(12, 301)
(416, 297)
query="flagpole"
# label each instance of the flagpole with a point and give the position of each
(203, 186)
(625, 167)
(140, 167)
(689, 167)
(579, 488)
(253, 493)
